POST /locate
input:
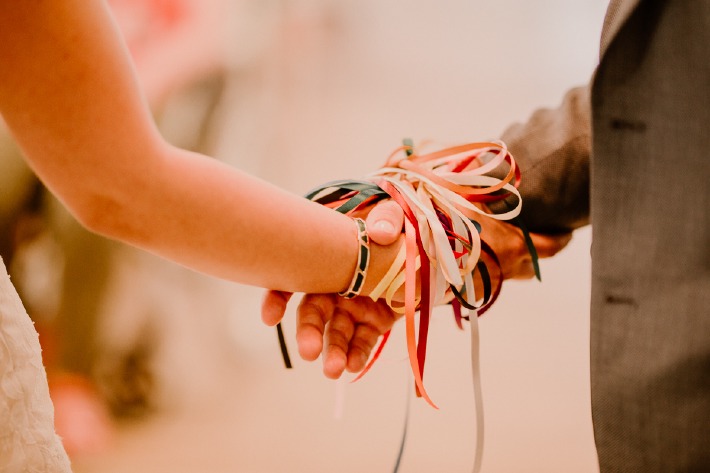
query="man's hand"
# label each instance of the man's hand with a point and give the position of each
(508, 244)
(346, 330)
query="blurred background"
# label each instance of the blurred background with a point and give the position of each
(158, 369)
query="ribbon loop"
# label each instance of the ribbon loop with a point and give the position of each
(443, 195)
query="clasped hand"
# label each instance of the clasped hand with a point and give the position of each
(345, 331)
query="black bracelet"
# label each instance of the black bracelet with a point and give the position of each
(363, 261)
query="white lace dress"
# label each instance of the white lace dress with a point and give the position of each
(28, 443)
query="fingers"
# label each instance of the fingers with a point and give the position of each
(508, 243)
(312, 315)
(372, 319)
(522, 268)
(363, 341)
(273, 306)
(344, 331)
(546, 246)
(337, 340)
(550, 245)
(384, 222)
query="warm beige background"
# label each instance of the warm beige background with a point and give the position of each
(327, 89)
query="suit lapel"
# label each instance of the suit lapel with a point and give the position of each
(616, 15)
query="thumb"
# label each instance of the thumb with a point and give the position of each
(384, 222)
(273, 306)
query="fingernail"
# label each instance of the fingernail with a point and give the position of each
(384, 226)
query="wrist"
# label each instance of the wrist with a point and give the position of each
(381, 259)
(362, 261)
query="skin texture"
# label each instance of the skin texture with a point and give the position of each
(87, 132)
(344, 331)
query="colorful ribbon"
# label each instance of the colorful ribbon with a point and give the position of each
(443, 195)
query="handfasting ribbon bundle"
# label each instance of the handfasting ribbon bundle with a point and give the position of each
(443, 195)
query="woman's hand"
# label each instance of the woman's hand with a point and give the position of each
(346, 330)
(343, 330)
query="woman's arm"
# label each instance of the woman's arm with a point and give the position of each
(69, 94)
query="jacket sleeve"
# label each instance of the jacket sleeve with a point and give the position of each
(553, 150)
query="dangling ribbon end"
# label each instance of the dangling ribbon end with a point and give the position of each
(284, 348)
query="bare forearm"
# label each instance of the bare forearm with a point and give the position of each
(216, 219)
(70, 97)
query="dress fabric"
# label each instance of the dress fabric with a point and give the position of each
(28, 442)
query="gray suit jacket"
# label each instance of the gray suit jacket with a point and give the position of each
(641, 131)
